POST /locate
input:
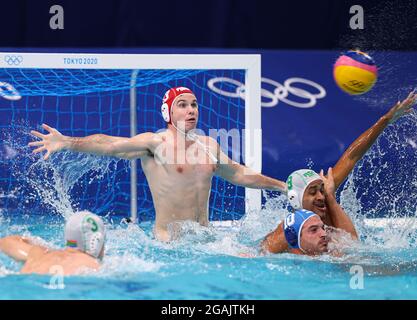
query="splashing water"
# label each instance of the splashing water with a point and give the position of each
(370, 182)
(213, 262)
(53, 180)
(383, 184)
(388, 24)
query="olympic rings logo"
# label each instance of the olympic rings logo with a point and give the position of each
(13, 60)
(280, 93)
(7, 91)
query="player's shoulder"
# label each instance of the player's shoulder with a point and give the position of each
(88, 260)
(145, 135)
(37, 252)
(208, 140)
(161, 136)
(150, 137)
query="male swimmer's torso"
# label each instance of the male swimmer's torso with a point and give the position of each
(180, 186)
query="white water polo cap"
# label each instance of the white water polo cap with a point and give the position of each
(297, 184)
(86, 232)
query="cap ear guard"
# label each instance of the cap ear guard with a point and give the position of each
(289, 231)
(295, 202)
(95, 244)
(165, 112)
(93, 235)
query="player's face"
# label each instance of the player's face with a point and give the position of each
(314, 199)
(314, 238)
(185, 112)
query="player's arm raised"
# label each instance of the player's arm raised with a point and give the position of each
(361, 145)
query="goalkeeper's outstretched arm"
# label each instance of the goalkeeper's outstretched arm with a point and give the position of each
(99, 144)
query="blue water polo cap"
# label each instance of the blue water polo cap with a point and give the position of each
(293, 224)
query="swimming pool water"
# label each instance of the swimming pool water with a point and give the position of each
(205, 264)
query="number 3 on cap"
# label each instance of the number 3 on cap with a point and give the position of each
(94, 226)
